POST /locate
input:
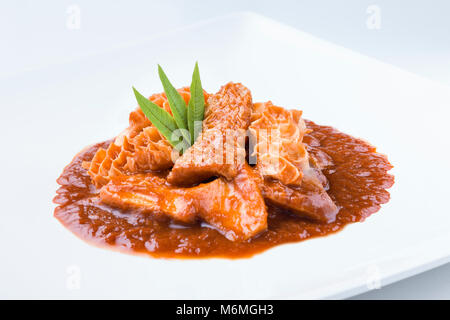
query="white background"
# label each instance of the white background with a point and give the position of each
(413, 35)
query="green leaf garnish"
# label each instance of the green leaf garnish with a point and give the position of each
(159, 117)
(176, 103)
(182, 129)
(196, 109)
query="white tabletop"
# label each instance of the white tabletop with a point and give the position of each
(413, 35)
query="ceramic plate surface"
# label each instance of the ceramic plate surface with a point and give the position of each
(49, 115)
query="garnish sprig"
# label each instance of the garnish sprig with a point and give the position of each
(196, 109)
(176, 104)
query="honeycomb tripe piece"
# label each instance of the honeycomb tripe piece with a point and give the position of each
(138, 148)
(292, 178)
(276, 143)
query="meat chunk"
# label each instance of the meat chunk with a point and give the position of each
(149, 193)
(220, 148)
(236, 208)
(230, 108)
(292, 178)
(309, 200)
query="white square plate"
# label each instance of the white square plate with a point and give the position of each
(49, 115)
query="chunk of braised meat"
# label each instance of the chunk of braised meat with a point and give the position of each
(236, 208)
(309, 200)
(220, 148)
(149, 193)
(292, 178)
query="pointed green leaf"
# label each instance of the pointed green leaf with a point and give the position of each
(176, 103)
(196, 109)
(159, 117)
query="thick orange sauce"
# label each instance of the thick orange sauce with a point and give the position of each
(358, 181)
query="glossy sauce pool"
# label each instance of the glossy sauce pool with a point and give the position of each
(358, 179)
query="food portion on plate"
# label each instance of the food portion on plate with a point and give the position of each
(198, 174)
